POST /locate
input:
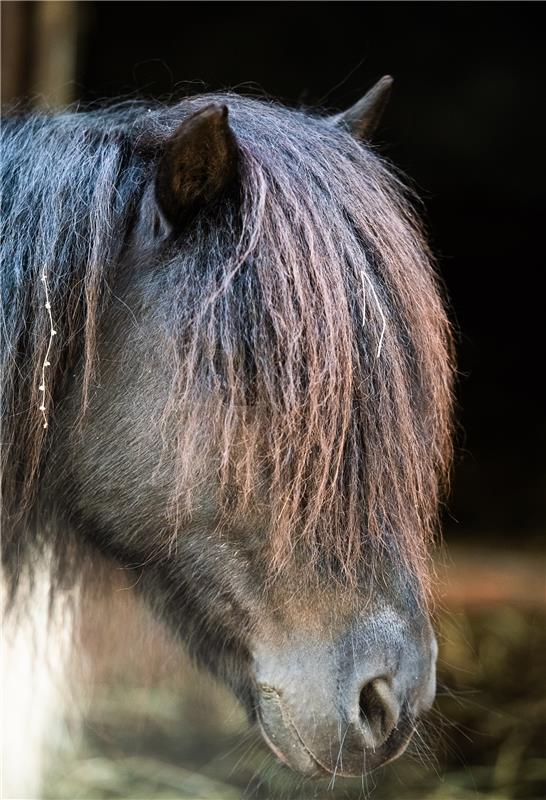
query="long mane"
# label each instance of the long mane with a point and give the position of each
(307, 312)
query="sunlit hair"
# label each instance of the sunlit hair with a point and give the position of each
(304, 317)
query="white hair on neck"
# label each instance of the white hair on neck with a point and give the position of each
(37, 634)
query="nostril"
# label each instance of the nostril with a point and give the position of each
(379, 711)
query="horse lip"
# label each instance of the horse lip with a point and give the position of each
(292, 749)
(296, 754)
(312, 768)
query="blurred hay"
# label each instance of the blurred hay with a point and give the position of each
(157, 729)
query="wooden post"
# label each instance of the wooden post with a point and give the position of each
(54, 62)
(39, 49)
(15, 68)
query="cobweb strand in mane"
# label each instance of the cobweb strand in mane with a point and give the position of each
(305, 310)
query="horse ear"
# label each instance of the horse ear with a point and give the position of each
(199, 163)
(363, 118)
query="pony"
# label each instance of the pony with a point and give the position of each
(227, 367)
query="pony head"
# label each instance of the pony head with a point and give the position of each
(226, 314)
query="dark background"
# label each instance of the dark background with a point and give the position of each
(466, 123)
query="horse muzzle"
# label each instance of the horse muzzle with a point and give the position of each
(346, 706)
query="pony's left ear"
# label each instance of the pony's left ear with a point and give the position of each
(198, 164)
(363, 118)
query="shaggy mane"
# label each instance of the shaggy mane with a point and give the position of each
(307, 312)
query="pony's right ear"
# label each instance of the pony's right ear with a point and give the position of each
(199, 163)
